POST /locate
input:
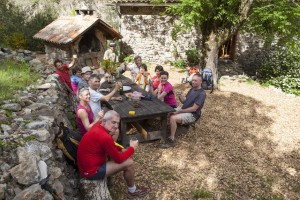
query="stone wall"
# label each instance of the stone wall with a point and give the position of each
(27, 133)
(150, 37)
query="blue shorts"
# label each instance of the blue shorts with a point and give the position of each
(100, 173)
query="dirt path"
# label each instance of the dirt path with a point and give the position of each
(246, 146)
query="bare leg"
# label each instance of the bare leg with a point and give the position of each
(126, 166)
(174, 119)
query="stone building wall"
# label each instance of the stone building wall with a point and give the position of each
(150, 37)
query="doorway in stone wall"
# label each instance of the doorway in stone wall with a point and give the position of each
(227, 49)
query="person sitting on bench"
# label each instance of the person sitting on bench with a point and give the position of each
(97, 144)
(190, 110)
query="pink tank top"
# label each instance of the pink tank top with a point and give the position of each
(78, 120)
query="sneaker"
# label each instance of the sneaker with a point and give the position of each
(139, 192)
(169, 143)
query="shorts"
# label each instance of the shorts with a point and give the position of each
(186, 118)
(100, 173)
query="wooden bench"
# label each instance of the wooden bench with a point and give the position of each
(182, 129)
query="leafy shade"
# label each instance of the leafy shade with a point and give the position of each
(275, 18)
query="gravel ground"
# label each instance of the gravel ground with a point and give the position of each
(246, 146)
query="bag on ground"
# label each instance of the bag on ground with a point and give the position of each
(207, 79)
(68, 142)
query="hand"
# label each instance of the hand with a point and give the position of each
(118, 84)
(134, 144)
(101, 114)
(159, 88)
(118, 98)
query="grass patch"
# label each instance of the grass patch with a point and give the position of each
(200, 193)
(250, 81)
(14, 76)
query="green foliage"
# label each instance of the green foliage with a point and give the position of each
(281, 62)
(129, 59)
(199, 193)
(17, 27)
(17, 41)
(109, 66)
(278, 18)
(14, 76)
(192, 57)
(282, 70)
(179, 63)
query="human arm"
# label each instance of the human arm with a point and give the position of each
(82, 114)
(72, 62)
(114, 152)
(111, 94)
(181, 98)
(187, 110)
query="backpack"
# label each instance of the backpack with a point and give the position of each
(207, 79)
(68, 142)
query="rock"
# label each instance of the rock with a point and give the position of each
(52, 78)
(35, 62)
(6, 128)
(34, 149)
(45, 112)
(50, 100)
(58, 186)
(4, 119)
(26, 100)
(55, 172)
(26, 173)
(27, 52)
(4, 167)
(38, 125)
(2, 190)
(12, 107)
(34, 192)
(46, 86)
(37, 106)
(41, 134)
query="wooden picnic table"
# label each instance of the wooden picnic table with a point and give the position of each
(147, 110)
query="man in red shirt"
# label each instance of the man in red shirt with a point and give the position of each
(97, 144)
(63, 71)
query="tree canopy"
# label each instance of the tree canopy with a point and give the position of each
(218, 20)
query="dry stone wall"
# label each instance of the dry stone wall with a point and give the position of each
(27, 132)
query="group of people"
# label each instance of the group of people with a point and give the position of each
(100, 130)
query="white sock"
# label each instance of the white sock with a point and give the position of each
(132, 189)
(172, 138)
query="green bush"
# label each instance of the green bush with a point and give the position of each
(282, 69)
(192, 57)
(280, 62)
(17, 27)
(179, 63)
(17, 40)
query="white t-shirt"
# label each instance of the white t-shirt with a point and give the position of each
(95, 102)
(134, 68)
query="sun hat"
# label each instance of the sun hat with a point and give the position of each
(85, 70)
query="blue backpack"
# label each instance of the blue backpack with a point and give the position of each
(207, 79)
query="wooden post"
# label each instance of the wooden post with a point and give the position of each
(94, 189)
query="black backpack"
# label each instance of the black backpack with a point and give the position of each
(207, 79)
(68, 142)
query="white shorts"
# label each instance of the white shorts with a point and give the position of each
(186, 118)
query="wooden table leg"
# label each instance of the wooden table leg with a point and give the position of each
(124, 137)
(164, 127)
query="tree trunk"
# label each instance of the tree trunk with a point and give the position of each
(96, 190)
(211, 51)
